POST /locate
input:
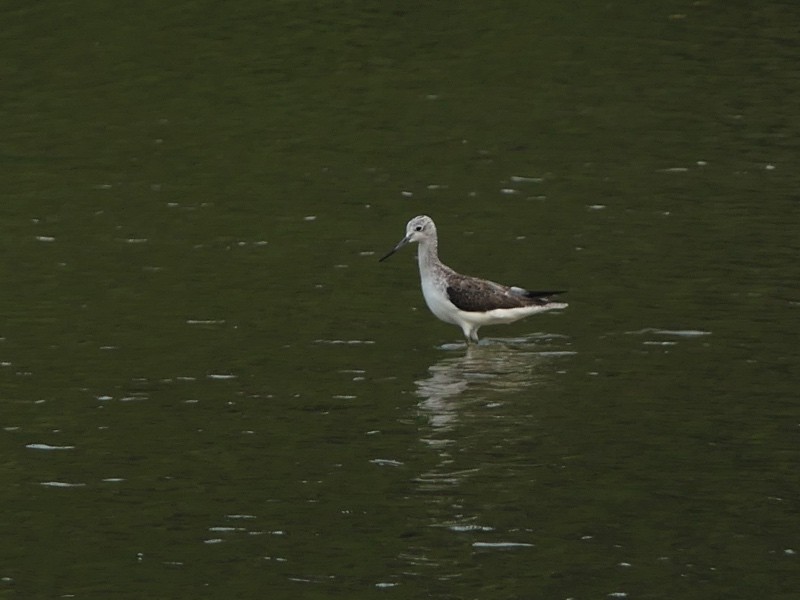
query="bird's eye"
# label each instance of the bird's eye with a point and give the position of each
(418, 228)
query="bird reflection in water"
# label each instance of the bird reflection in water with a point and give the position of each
(480, 373)
(468, 390)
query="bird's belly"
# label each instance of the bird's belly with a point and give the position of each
(438, 303)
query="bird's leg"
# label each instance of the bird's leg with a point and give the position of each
(469, 333)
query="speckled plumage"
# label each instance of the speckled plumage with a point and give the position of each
(479, 295)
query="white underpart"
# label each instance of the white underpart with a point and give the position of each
(470, 321)
(437, 300)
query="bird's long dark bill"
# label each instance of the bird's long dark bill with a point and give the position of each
(400, 244)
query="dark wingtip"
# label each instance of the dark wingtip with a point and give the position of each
(544, 294)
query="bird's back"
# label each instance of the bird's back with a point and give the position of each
(472, 294)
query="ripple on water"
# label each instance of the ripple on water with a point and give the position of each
(47, 447)
(386, 462)
(501, 545)
(347, 342)
(61, 484)
(687, 333)
(469, 528)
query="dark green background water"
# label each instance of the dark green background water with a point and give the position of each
(209, 388)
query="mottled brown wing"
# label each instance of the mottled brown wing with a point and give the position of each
(478, 295)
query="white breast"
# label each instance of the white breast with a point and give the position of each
(437, 301)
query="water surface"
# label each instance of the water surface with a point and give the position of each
(210, 387)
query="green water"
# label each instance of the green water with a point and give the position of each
(209, 387)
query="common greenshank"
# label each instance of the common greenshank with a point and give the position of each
(468, 302)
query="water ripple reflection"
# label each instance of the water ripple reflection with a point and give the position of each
(481, 410)
(482, 372)
(463, 393)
